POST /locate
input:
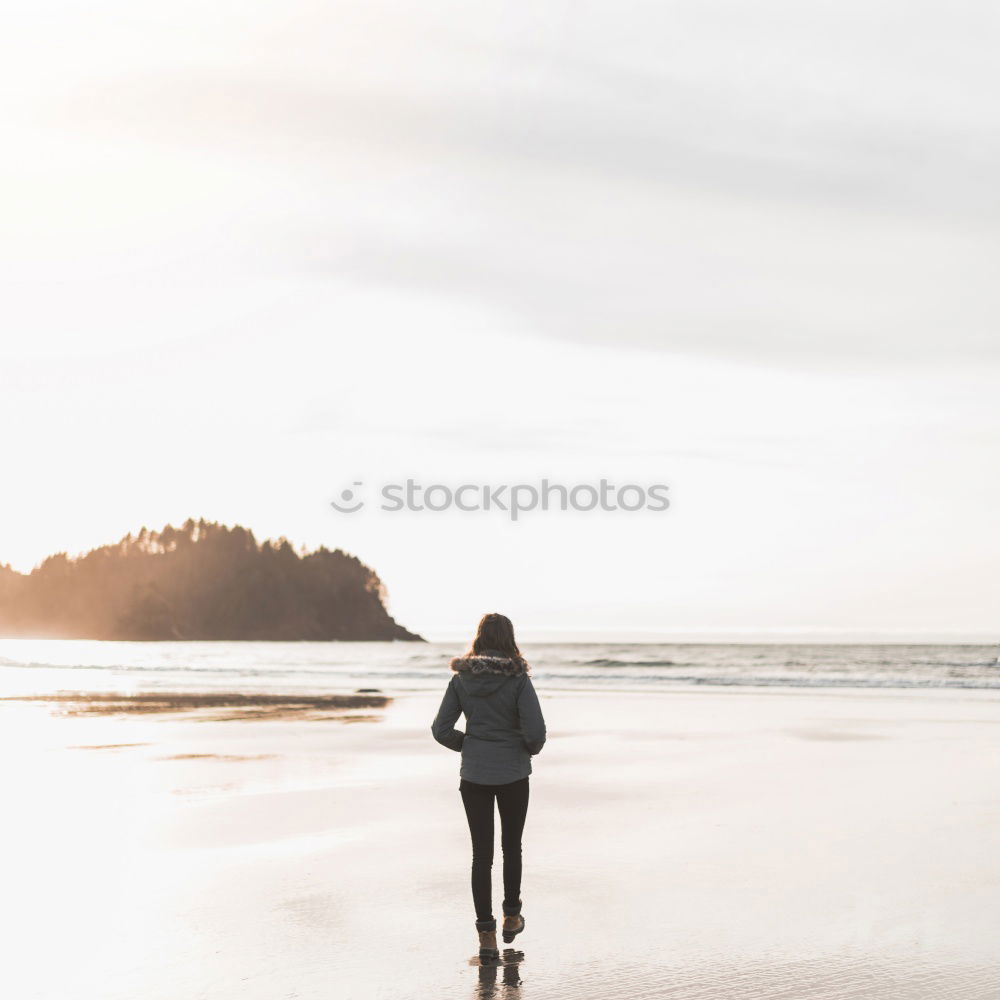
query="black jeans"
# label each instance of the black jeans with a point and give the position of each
(512, 801)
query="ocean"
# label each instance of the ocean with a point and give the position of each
(43, 666)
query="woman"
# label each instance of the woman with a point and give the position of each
(504, 728)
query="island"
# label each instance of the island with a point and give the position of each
(203, 580)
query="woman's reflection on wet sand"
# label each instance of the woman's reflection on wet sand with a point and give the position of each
(489, 974)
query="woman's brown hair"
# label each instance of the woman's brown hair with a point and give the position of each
(496, 632)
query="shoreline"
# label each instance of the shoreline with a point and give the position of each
(308, 703)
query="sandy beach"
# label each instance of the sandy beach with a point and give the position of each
(688, 843)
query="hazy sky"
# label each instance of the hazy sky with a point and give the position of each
(253, 253)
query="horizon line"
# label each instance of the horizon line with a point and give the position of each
(802, 634)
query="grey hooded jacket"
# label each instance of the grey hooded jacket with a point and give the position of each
(504, 727)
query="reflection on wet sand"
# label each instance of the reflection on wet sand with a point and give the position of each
(106, 746)
(223, 705)
(220, 756)
(489, 974)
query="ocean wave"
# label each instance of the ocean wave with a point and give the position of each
(331, 666)
(697, 680)
(629, 663)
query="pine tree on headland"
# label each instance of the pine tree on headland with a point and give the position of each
(201, 581)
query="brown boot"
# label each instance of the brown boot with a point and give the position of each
(512, 926)
(488, 951)
(513, 922)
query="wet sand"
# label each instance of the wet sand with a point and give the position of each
(691, 844)
(226, 704)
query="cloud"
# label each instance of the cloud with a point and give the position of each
(789, 184)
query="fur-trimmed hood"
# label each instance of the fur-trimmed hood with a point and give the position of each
(490, 663)
(481, 674)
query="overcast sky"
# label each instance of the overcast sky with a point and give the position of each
(253, 253)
